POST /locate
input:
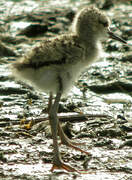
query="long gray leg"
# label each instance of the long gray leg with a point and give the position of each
(54, 123)
(54, 127)
(66, 141)
(50, 101)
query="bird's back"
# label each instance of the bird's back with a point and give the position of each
(64, 49)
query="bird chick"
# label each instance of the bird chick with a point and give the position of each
(55, 64)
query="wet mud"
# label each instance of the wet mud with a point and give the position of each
(97, 111)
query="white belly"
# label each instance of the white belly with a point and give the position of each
(46, 78)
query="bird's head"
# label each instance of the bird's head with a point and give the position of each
(91, 23)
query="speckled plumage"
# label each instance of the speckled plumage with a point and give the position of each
(64, 56)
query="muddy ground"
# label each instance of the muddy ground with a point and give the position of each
(97, 111)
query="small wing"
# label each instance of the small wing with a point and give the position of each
(60, 50)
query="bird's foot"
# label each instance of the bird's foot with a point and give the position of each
(61, 165)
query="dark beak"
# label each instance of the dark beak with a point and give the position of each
(113, 36)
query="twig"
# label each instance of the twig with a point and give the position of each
(72, 118)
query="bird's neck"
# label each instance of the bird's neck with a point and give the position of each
(93, 49)
(89, 39)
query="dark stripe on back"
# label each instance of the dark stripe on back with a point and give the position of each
(38, 65)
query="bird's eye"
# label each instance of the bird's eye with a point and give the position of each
(105, 24)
